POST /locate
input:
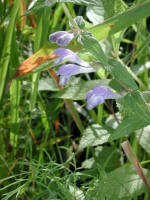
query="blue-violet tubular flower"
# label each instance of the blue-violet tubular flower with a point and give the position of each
(66, 54)
(98, 95)
(62, 38)
(67, 70)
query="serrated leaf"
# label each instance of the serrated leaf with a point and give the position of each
(137, 115)
(143, 137)
(80, 2)
(94, 135)
(127, 182)
(106, 157)
(47, 84)
(128, 126)
(119, 72)
(121, 21)
(94, 47)
(137, 105)
(113, 66)
(79, 90)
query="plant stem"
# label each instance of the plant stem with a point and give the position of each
(70, 17)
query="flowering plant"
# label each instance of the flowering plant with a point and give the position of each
(95, 96)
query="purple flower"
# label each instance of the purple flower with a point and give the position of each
(62, 38)
(66, 54)
(66, 71)
(98, 95)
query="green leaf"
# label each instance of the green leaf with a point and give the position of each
(127, 127)
(42, 67)
(136, 103)
(93, 46)
(127, 182)
(80, 2)
(15, 90)
(118, 70)
(47, 84)
(146, 95)
(143, 137)
(80, 22)
(6, 53)
(40, 39)
(121, 21)
(104, 9)
(106, 157)
(94, 135)
(137, 115)
(78, 91)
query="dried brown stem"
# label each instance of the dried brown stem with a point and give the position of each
(133, 159)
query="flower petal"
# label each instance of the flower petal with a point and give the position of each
(65, 39)
(105, 92)
(98, 95)
(93, 101)
(63, 80)
(73, 69)
(61, 37)
(89, 94)
(53, 37)
(66, 71)
(66, 54)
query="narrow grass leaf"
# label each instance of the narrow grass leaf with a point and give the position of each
(15, 93)
(80, 2)
(4, 63)
(40, 39)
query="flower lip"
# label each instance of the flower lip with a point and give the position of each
(62, 38)
(66, 71)
(78, 65)
(66, 54)
(98, 95)
(73, 69)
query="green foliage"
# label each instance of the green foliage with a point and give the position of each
(136, 114)
(94, 135)
(79, 88)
